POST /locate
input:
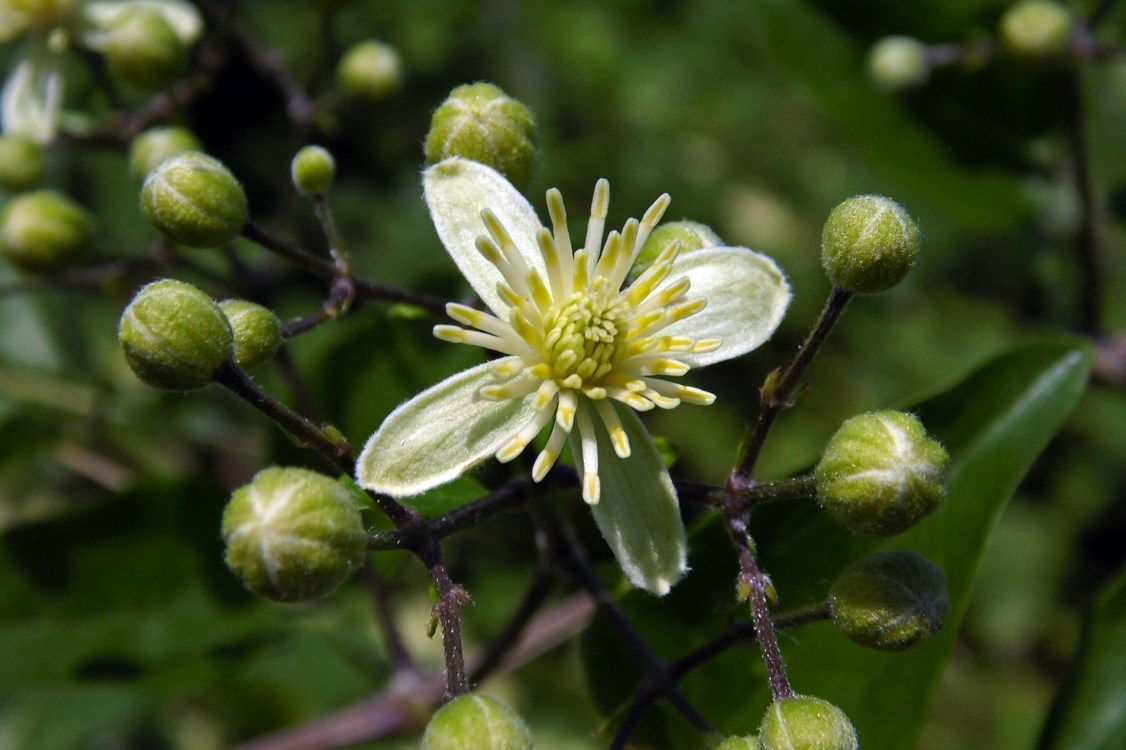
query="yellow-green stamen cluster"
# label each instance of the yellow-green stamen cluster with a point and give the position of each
(578, 333)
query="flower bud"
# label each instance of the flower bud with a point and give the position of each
(749, 742)
(881, 473)
(21, 162)
(312, 170)
(174, 336)
(44, 231)
(476, 721)
(143, 48)
(890, 601)
(194, 200)
(481, 123)
(153, 146)
(806, 723)
(869, 243)
(293, 535)
(257, 331)
(1036, 28)
(691, 235)
(370, 70)
(898, 62)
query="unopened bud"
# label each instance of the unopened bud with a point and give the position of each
(370, 70)
(1037, 28)
(174, 336)
(144, 49)
(153, 146)
(890, 601)
(869, 243)
(881, 473)
(806, 723)
(691, 235)
(898, 62)
(21, 162)
(312, 170)
(257, 331)
(476, 721)
(293, 535)
(194, 200)
(481, 123)
(44, 231)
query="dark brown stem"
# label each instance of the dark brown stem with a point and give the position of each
(337, 451)
(451, 597)
(754, 584)
(778, 391)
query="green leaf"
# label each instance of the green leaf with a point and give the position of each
(1089, 713)
(994, 424)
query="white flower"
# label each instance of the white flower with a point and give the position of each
(32, 97)
(582, 354)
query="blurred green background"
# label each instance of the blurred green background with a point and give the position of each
(120, 626)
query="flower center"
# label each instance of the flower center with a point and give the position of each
(586, 336)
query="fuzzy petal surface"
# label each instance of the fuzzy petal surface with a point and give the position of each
(747, 297)
(457, 191)
(638, 513)
(439, 434)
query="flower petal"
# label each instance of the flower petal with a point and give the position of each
(33, 93)
(439, 434)
(637, 511)
(457, 191)
(747, 297)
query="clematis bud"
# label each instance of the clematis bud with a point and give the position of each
(890, 601)
(312, 170)
(869, 243)
(898, 62)
(43, 231)
(881, 473)
(194, 200)
(691, 235)
(476, 721)
(806, 723)
(481, 123)
(257, 331)
(21, 162)
(1037, 28)
(293, 535)
(153, 146)
(370, 70)
(143, 48)
(174, 336)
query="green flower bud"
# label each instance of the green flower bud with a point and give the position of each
(1037, 28)
(293, 535)
(313, 169)
(881, 473)
(21, 162)
(750, 742)
(481, 123)
(194, 200)
(898, 62)
(44, 231)
(476, 721)
(174, 336)
(370, 70)
(869, 243)
(890, 601)
(691, 235)
(806, 723)
(257, 331)
(153, 146)
(144, 50)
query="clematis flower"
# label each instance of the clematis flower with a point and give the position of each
(31, 100)
(582, 353)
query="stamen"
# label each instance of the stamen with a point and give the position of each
(505, 345)
(685, 393)
(592, 487)
(553, 264)
(547, 457)
(478, 319)
(511, 389)
(562, 238)
(528, 432)
(669, 294)
(618, 437)
(540, 295)
(703, 346)
(544, 395)
(651, 218)
(599, 207)
(565, 411)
